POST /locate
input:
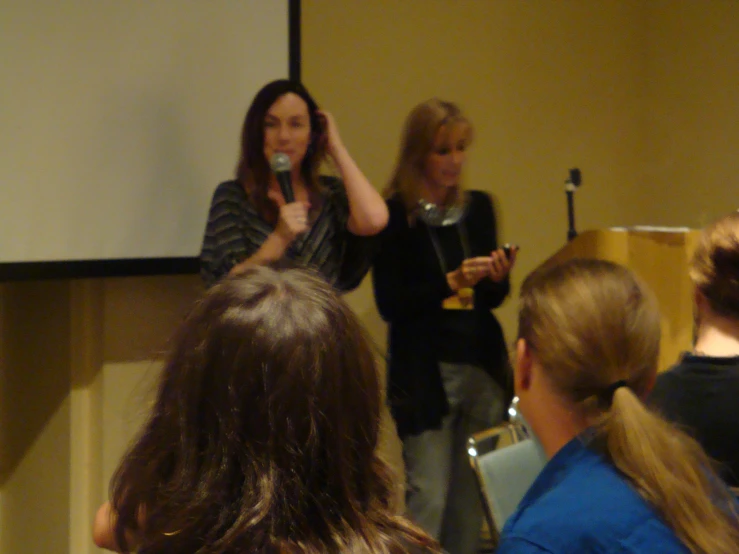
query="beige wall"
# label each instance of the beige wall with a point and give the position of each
(691, 172)
(549, 85)
(34, 416)
(75, 379)
(640, 96)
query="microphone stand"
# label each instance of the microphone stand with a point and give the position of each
(571, 184)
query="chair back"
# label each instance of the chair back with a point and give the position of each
(506, 462)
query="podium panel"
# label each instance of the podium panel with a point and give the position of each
(660, 257)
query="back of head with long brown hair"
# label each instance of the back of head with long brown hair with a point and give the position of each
(419, 135)
(591, 324)
(263, 436)
(253, 170)
(714, 267)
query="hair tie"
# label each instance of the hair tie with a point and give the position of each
(612, 388)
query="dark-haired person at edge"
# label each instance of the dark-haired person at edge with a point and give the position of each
(619, 478)
(263, 438)
(701, 392)
(325, 227)
(438, 274)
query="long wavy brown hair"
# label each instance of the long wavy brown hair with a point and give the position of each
(263, 437)
(590, 324)
(252, 170)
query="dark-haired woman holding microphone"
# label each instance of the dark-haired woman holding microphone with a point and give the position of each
(325, 227)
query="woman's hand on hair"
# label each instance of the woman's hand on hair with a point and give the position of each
(500, 264)
(368, 213)
(330, 132)
(469, 273)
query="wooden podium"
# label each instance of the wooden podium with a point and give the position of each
(660, 257)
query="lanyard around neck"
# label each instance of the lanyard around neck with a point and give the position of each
(463, 239)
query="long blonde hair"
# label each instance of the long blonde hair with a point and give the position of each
(714, 268)
(592, 324)
(419, 135)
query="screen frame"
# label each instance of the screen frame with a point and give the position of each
(133, 267)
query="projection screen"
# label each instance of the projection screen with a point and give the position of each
(119, 118)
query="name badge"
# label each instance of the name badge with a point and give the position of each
(463, 300)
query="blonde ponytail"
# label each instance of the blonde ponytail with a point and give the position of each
(672, 473)
(595, 328)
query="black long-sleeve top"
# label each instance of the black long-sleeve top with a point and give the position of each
(409, 278)
(700, 394)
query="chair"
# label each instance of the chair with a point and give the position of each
(506, 462)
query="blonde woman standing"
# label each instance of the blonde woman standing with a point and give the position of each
(619, 478)
(437, 277)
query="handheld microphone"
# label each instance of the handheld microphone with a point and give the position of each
(281, 166)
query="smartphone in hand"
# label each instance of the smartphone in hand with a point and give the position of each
(508, 247)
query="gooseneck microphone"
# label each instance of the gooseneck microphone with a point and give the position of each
(281, 166)
(571, 185)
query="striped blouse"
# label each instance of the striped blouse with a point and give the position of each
(235, 231)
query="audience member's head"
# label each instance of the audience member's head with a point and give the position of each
(714, 268)
(590, 324)
(264, 433)
(586, 356)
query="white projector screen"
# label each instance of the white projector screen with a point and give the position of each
(120, 117)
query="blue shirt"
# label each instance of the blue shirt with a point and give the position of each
(581, 504)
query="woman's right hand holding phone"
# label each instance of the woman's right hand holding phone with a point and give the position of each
(469, 273)
(502, 261)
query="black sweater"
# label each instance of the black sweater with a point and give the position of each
(700, 393)
(410, 285)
